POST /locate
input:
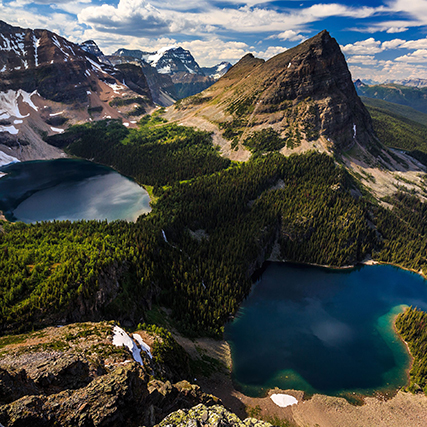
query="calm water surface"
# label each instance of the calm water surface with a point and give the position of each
(322, 330)
(69, 189)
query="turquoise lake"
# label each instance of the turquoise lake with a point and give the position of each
(322, 330)
(69, 189)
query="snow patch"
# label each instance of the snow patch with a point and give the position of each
(189, 69)
(95, 66)
(165, 70)
(155, 58)
(3, 69)
(9, 103)
(126, 124)
(283, 400)
(26, 97)
(13, 44)
(142, 344)
(57, 130)
(36, 43)
(56, 114)
(116, 87)
(289, 64)
(11, 129)
(121, 338)
(164, 236)
(18, 122)
(5, 159)
(354, 131)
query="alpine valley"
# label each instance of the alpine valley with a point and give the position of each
(122, 323)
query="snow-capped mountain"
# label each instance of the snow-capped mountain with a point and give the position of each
(48, 83)
(410, 82)
(217, 71)
(172, 60)
(178, 63)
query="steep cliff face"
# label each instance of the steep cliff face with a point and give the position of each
(305, 94)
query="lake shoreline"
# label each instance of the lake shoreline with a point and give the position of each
(274, 257)
(380, 409)
(322, 402)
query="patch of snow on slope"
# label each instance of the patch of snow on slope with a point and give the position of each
(9, 103)
(5, 159)
(154, 59)
(56, 114)
(11, 129)
(57, 130)
(143, 345)
(36, 43)
(283, 400)
(122, 338)
(164, 70)
(189, 69)
(116, 87)
(15, 44)
(95, 66)
(26, 97)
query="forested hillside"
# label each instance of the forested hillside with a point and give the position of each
(412, 326)
(400, 132)
(211, 226)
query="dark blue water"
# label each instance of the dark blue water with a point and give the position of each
(69, 189)
(323, 330)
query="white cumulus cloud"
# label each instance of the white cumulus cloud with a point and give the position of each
(130, 17)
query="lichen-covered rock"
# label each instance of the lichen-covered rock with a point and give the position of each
(75, 376)
(214, 416)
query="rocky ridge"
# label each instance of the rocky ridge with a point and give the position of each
(74, 375)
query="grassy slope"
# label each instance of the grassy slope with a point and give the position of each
(395, 129)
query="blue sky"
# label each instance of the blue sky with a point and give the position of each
(380, 39)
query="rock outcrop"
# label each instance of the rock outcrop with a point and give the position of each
(75, 376)
(214, 416)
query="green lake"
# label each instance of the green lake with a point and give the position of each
(322, 330)
(69, 189)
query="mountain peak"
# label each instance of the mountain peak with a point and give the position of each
(305, 94)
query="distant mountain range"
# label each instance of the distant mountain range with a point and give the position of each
(179, 64)
(411, 92)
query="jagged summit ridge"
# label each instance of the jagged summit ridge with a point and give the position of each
(91, 47)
